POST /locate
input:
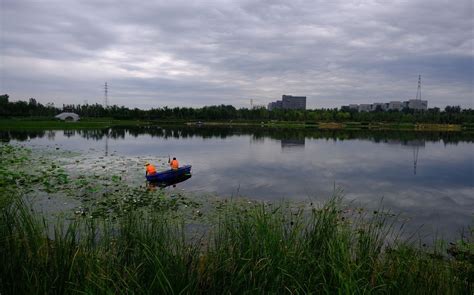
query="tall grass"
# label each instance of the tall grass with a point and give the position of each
(251, 249)
(147, 256)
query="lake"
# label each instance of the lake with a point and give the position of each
(426, 177)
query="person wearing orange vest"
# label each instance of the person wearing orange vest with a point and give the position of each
(174, 164)
(150, 169)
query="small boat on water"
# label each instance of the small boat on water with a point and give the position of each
(170, 175)
(175, 181)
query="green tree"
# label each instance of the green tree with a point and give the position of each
(4, 99)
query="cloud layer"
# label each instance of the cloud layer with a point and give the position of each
(195, 53)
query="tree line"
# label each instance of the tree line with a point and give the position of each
(32, 108)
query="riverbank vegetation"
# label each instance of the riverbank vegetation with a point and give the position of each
(255, 248)
(25, 123)
(130, 239)
(450, 115)
(38, 123)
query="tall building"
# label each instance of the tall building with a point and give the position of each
(289, 102)
(293, 102)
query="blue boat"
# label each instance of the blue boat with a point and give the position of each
(170, 175)
(174, 182)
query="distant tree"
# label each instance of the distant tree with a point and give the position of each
(450, 115)
(452, 109)
(4, 99)
(33, 102)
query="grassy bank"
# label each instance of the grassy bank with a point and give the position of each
(251, 249)
(42, 123)
(96, 123)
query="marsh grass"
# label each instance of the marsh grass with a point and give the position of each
(256, 248)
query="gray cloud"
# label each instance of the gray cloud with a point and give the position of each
(199, 53)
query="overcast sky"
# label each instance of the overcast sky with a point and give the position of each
(196, 53)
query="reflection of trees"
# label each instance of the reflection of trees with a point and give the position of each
(4, 136)
(411, 143)
(51, 134)
(21, 135)
(69, 133)
(94, 134)
(292, 143)
(377, 136)
(116, 133)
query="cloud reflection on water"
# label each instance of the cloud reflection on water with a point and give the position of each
(274, 166)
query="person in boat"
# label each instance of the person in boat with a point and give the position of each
(150, 169)
(174, 164)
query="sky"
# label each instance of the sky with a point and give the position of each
(196, 53)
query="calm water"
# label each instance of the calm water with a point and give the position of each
(426, 177)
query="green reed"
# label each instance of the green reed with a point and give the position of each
(254, 248)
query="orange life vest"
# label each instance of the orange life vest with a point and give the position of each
(150, 169)
(174, 164)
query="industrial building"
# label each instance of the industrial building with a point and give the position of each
(413, 104)
(395, 105)
(417, 104)
(289, 102)
(275, 105)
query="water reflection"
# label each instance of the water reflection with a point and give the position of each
(288, 137)
(51, 134)
(69, 133)
(157, 184)
(416, 144)
(427, 176)
(292, 143)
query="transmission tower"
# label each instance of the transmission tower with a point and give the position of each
(106, 96)
(418, 92)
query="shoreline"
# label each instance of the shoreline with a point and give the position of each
(93, 123)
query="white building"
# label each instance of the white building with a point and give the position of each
(68, 117)
(413, 104)
(395, 105)
(418, 104)
(365, 107)
(354, 106)
(383, 106)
